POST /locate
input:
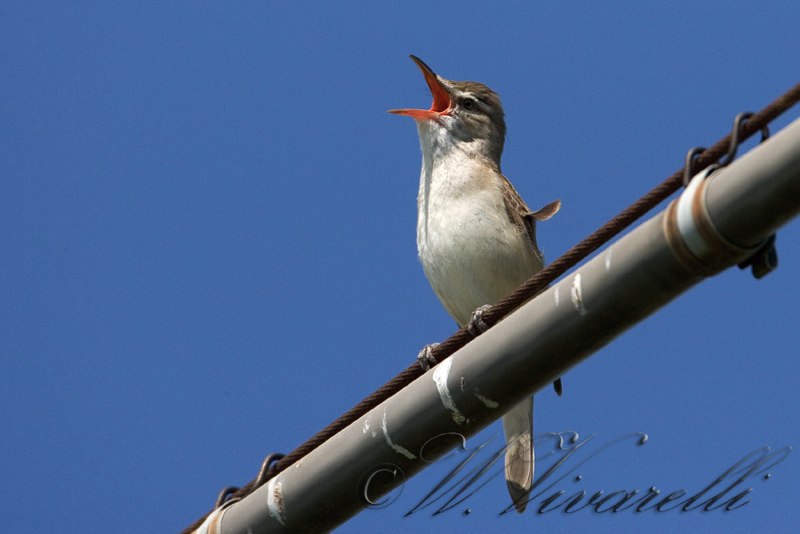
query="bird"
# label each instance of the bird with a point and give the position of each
(476, 237)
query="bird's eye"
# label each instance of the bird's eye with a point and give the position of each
(468, 104)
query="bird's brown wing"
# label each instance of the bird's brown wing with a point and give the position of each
(517, 211)
(522, 216)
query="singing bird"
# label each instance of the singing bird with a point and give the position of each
(476, 237)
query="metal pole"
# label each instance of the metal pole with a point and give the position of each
(716, 223)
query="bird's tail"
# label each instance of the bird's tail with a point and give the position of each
(518, 428)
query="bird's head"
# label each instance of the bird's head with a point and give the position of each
(466, 114)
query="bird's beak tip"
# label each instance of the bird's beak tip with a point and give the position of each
(441, 95)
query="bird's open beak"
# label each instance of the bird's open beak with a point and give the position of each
(441, 96)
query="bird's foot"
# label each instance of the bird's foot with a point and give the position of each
(425, 357)
(476, 325)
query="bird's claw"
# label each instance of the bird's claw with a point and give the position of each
(477, 325)
(425, 357)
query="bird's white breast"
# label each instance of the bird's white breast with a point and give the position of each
(471, 252)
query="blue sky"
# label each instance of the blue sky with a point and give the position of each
(208, 245)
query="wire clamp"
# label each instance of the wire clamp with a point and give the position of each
(263, 473)
(692, 235)
(224, 497)
(765, 260)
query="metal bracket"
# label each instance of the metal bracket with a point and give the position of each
(691, 233)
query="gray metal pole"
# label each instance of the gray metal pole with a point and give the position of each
(710, 227)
